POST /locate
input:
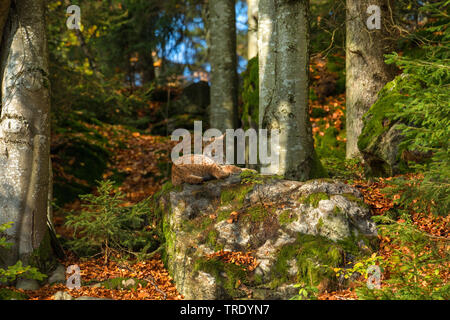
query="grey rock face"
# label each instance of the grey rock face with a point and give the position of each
(62, 295)
(278, 221)
(27, 284)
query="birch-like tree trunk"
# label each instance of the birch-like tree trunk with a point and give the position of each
(283, 41)
(252, 13)
(366, 71)
(25, 129)
(223, 59)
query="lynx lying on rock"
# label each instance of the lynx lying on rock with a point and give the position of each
(198, 168)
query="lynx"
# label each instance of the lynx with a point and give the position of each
(198, 168)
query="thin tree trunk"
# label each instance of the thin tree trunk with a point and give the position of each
(252, 12)
(366, 71)
(148, 68)
(223, 58)
(25, 130)
(86, 51)
(283, 60)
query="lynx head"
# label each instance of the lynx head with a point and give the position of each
(231, 169)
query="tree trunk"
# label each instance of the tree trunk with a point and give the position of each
(283, 39)
(25, 130)
(223, 59)
(252, 12)
(366, 71)
(148, 68)
(4, 10)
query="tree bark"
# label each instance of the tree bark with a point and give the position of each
(252, 12)
(25, 130)
(366, 71)
(223, 59)
(283, 41)
(4, 10)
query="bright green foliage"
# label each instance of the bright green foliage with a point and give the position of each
(427, 131)
(418, 101)
(360, 267)
(107, 226)
(305, 292)
(18, 270)
(415, 267)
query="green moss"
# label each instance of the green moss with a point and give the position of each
(350, 244)
(286, 217)
(317, 169)
(235, 194)
(258, 279)
(250, 95)
(255, 214)
(351, 197)
(227, 275)
(211, 238)
(166, 188)
(8, 294)
(167, 235)
(43, 257)
(319, 224)
(377, 120)
(337, 211)
(223, 215)
(313, 199)
(252, 177)
(315, 256)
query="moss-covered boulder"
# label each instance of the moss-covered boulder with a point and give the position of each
(296, 232)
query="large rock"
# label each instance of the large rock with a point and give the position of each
(58, 275)
(296, 231)
(27, 284)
